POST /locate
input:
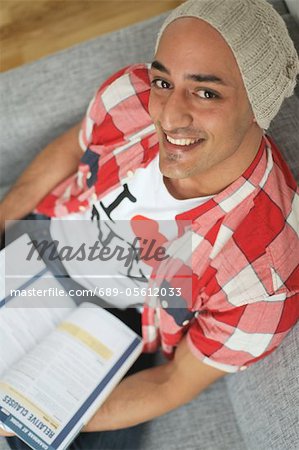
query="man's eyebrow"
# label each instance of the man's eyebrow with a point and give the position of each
(194, 77)
(159, 66)
(205, 78)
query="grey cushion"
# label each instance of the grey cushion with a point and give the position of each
(280, 6)
(207, 423)
(284, 130)
(265, 399)
(3, 444)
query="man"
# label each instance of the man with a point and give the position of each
(220, 73)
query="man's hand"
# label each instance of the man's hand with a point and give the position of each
(4, 433)
(153, 392)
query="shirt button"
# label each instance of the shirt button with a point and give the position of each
(196, 314)
(243, 368)
(94, 196)
(82, 208)
(164, 304)
(185, 322)
(130, 173)
(88, 175)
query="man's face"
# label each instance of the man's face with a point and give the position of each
(200, 108)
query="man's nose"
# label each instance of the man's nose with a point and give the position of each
(175, 112)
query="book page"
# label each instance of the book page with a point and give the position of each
(16, 269)
(32, 302)
(49, 392)
(22, 326)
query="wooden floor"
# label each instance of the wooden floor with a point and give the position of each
(30, 29)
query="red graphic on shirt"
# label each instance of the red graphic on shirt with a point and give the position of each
(150, 240)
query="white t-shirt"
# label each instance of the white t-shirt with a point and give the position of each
(121, 221)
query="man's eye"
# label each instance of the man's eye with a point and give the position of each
(204, 93)
(161, 84)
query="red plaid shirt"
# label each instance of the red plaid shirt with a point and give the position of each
(236, 257)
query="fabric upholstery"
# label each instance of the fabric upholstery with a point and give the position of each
(265, 399)
(207, 423)
(3, 444)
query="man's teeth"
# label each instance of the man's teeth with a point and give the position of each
(181, 141)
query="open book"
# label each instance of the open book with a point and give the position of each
(58, 361)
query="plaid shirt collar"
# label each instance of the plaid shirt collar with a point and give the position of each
(245, 186)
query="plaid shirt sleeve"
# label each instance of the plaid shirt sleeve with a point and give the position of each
(85, 133)
(94, 113)
(233, 339)
(252, 286)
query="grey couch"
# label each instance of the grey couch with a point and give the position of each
(252, 410)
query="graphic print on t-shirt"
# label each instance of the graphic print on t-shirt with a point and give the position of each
(133, 221)
(108, 236)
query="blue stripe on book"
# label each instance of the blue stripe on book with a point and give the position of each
(24, 286)
(23, 432)
(72, 423)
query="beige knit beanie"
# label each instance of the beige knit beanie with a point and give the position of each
(263, 49)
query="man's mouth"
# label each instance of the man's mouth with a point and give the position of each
(183, 141)
(172, 144)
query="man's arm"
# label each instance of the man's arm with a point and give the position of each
(153, 392)
(55, 163)
(5, 433)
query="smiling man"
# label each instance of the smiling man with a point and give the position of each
(183, 140)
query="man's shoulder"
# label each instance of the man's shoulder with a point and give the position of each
(128, 81)
(274, 202)
(119, 109)
(260, 247)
